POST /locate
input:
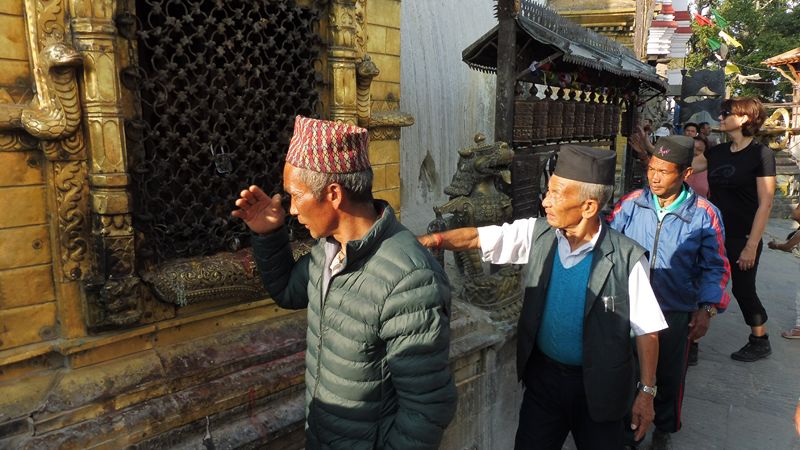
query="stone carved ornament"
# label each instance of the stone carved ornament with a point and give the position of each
(476, 201)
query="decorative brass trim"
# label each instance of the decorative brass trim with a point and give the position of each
(385, 125)
(342, 60)
(366, 70)
(55, 112)
(117, 297)
(71, 197)
(361, 28)
(52, 122)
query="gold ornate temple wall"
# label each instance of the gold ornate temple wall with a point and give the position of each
(93, 353)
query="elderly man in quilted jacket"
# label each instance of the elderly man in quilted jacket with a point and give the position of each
(378, 339)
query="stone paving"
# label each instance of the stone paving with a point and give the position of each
(731, 405)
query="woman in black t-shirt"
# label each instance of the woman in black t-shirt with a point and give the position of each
(741, 179)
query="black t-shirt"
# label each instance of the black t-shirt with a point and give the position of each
(732, 183)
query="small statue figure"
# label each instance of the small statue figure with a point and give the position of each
(476, 200)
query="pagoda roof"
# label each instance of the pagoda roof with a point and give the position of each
(542, 32)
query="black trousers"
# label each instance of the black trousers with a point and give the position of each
(743, 283)
(673, 354)
(554, 403)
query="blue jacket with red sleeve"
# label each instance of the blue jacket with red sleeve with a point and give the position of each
(688, 265)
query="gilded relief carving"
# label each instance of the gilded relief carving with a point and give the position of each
(70, 148)
(366, 70)
(16, 141)
(121, 301)
(118, 255)
(386, 125)
(117, 296)
(49, 20)
(361, 29)
(116, 225)
(342, 59)
(71, 198)
(55, 112)
(58, 112)
(343, 23)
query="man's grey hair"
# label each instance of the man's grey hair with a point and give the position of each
(600, 192)
(357, 184)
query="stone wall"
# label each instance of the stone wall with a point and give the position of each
(449, 101)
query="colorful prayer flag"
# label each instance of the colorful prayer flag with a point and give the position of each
(702, 21)
(720, 21)
(730, 40)
(731, 68)
(713, 44)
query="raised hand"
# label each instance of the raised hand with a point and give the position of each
(261, 213)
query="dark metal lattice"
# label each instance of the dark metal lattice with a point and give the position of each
(219, 83)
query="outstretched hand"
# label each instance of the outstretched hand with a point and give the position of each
(261, 213)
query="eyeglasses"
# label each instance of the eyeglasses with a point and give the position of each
(725, 113)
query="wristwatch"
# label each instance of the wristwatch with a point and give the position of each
(651, 390)
(710, 309)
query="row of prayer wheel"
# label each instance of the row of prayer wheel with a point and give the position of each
(538, 121)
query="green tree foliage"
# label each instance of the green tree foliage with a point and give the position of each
(765, 28)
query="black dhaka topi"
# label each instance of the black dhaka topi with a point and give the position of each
(586, 164)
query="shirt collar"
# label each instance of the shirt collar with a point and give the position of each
(585, 248)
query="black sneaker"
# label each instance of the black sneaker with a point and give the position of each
(694, 348)
(755, 349)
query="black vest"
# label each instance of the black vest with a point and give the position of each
(608, 363)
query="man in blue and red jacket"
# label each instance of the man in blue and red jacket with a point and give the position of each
(688, 267)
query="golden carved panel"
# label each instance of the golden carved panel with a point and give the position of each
(72, 192)
(344, 75)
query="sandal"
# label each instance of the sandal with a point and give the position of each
(794, 333)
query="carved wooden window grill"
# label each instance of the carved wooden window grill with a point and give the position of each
(218, 84)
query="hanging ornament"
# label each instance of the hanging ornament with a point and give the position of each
(723, 51)
(731, 68)
(730, 40)
(744, 79)
(564, 79)
(713, 44)
(718, 19)
(702, 21)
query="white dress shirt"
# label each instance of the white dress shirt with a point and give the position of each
(510, 243)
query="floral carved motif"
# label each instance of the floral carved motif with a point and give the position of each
(361, 29)
(343, 24)
(71, 198)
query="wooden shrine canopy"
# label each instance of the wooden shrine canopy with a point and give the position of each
(790, 57)
(542, 35)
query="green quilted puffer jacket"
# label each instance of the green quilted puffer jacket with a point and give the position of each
(378, 338)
